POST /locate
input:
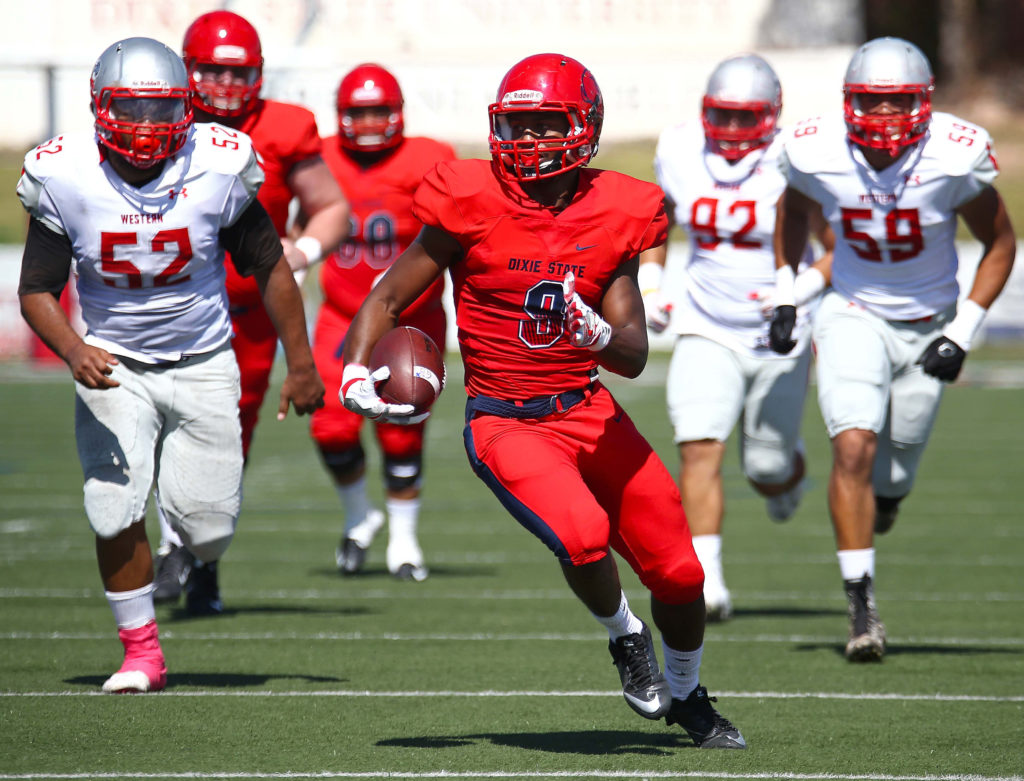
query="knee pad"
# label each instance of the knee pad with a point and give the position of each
(679, 583)
(895, 468)
(208, 534)
(111, 505)
(402, 473)
(345, 462)
(766, 464)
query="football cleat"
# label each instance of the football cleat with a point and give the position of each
(643, 686)
(781, 507)
(886, 510)
(717, 602)
(706, 727)
(351, 552)
(405, 559)
(143, 669)
(202, 592)
(867, 633)
(172, 573)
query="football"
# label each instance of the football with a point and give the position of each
(416, 364)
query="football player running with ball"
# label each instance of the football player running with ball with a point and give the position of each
(721, 182)
(890, 177)
(156, 381)
(543, 255)
(379, 169)
(224, 58)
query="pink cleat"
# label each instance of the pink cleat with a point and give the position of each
(143, 669)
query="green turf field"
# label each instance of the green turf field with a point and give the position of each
(490, 669)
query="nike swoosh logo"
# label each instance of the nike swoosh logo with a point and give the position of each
(589, 246)
(652, 706)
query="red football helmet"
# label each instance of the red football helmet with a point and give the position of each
(888, 67)
(140, 98)
(550, 83)
(225, 40)
(370, 86)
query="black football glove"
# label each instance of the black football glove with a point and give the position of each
(780, 332)
(943, 359)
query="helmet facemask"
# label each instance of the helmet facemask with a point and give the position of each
(539, 156)
(734, 129)
(143, 126)
(894, 131)
(225, 90)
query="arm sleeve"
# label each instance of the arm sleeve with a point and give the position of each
(46, 263)
(252, 240)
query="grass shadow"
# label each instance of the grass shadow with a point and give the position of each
(583, 742)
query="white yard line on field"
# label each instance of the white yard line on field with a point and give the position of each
(419, 637)
(487, 694)
(625, 774)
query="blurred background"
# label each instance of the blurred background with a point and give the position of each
(651, 58)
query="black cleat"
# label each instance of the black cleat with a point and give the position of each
(171, 574)
(886, 510)
(867, 632)
(643, 686)
(202, 594)
(706, 727)
(350, 556)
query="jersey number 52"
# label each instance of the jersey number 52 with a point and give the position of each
(120, 269)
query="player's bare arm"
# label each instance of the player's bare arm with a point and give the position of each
(89, 365)
(622, 307)
(408, 277)
(324, 210)
(795, 215)
(302, 386)
(988, 221)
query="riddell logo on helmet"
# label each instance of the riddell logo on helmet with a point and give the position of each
(530, 97)
(151, 84)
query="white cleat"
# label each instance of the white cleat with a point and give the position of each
(717, 602)
(128, 681)
(350, 554)
(405, 559)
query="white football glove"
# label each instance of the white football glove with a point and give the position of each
(657, 306)
(806, 287)
(584, 326)
(359, 394)
(659, 311)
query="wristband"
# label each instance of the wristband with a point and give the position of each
(807, 285)
(964, 327)
(311, 248)
(648, 277)
(783, 295)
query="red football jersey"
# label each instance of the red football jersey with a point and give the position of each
(508, 286)
(283, 135)
(382, 224)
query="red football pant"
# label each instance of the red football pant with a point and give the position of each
(333, 427)
(585, 480)
(255, 345)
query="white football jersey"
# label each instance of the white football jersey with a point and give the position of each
(728, 212)
(148, 260)
(894, 228)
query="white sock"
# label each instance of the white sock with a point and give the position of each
(355, 502)
(682, 670)
(168, 536)
(855, 564)
(624, 622)
(708, 548)
(132, 609)
(403, 515)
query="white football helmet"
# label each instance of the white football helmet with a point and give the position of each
(888, 66)
(141, 101)
(741, 106)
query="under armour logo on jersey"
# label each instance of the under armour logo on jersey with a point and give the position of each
(914, 179)
(183, 192)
